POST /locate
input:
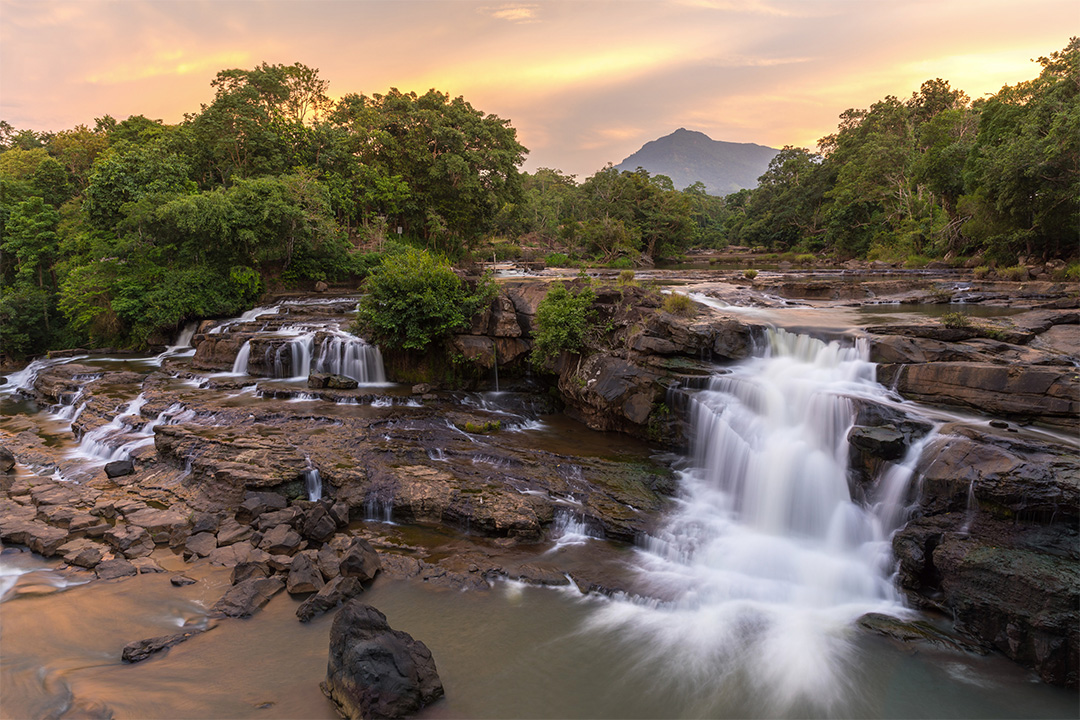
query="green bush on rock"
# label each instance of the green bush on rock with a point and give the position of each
(415, 298)
(562, 320)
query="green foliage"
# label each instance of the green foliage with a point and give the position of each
(955, 320)
(485, 428)
(1016, 273)
(678, 304)
(621, 263)
(750, 273)
(981, 272)
(557, 259)
(415, 298)
(562, 321)
(626, 278)
(1069, 272)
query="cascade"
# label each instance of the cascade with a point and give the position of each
(767, 559)
(313, 484)
(352, 357)
(241, 363)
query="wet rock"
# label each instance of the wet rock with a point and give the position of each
(7, 460)
(360, 561)
(318, 380)
(131, 540)
(317, 524)
(158, 522)
(886, 443)
(285, 516)
(82, 552)
(329, 596)
(142, 649)
(147, 566)
(115, 568)
(375, 671)
(304, 576)
(340, 382)
(181, 580)
(247, 570)
(257, 503)
(40, 537)
(329, 562)
(281, 540)
(119, 468)
(232, 555)
(201, 544)
(247, 597)
(231, 532)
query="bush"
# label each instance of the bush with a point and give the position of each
(678, 304)
(562, 320)
(806, 259)
(981, 272)
(626, 277)
(486, 428)
(750, 274)
(415, 298)
(955, 320)
(622, 263)
(916, 261)
(1016, 273)
(557, 259)
(1069, 272)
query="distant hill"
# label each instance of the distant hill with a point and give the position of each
(687, 156)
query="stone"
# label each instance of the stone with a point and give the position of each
(321, 286)
(82, 552)
(246, 570)
(340, 512)
(201, 544)
(304, 576)
(318, 380)
(329, 562)
(231, 532)
(280, 540)
(340, 382)
(158, 521)
(40, 537)
(7, 460)
(285, 516)
(375, 671)
(232, 555)
(317, 524)
(115, 568)
(360, 561)
(330, 596)
(147, 566)
(247, 597)
(142, 649)
(181, 580)
(256, 503)
(119, 468)
(131, 540)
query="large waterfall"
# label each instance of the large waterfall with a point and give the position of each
(767, 562)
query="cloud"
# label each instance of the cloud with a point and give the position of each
(169, 63)
(513, 13)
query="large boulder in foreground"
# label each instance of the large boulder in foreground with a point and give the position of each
(375, 671)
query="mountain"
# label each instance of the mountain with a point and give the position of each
(687, 156)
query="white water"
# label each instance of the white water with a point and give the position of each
(313, 484)
(768, 562)
(352, 357)
(241, 362)
(117, 439)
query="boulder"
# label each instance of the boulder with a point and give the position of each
(119, 468)
(131, 540)
(231, 532)
(360, 561)
(318, 524)
(340, 382)
(332, 594)
(247, 597)
(280, 540)
(181, 580)
(82, 552)
(329, 562)
(142, 649)
(115, 568)
(201, 544)
(256, 503)
(7, 460)
(375, 671)
(247, 570)
(304, 575)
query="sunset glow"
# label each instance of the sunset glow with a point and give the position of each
(585, 83)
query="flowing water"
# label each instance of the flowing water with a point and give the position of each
(748, 597)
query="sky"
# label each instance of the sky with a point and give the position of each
(585, 82)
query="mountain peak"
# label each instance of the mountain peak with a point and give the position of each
(689, 156)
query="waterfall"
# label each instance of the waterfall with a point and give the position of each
(352, 357)
(241, 363)
(313, 484)
(767, 559)
(117, 440)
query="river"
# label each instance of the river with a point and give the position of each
(750, 590)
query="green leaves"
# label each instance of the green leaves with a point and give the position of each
(415, 298)
(563, 319)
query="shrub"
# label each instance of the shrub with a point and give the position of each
(678, 304)
(487, 428)
(916, 261)
(805, 259)
(955, 320)
(750, 274)
(622, 263)
(557, 259)
(1016, 273)
(626, 277)
(415, 298)
(1069, 272)
(562, 320)
(981, 272)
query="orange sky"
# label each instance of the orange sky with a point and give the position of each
(584, 82)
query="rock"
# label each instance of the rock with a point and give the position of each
(116, 568)
(340, 512)
(147, 566)
(7, 460)
(360, 561)
(285, 516)
(421, 388)
(201, 544)
(247, 570)
(40, 537)
(158, 522)
(231, 532)
(886, 443)
(375, 671)
(181, 580)
(142, 649)
(119, 468)
(304, 576)
(131, 540)
(317, 524)
(321, 287)
(256, 503)
(82, 552)
(247, 597)
(333, 593)
(329, 562)
(232, 555)
(280, 540)
(340, 382)
(318, 380)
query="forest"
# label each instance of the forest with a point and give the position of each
(116, 234)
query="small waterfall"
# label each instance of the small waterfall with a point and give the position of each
(352, 357)
(293, 359)
(117, 440)
(376, 510)
(571, 528)
(767, 558)
(240, 365)
(313, 484)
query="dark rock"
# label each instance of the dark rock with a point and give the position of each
(247, 597)
(204, 522)
(38, 536)
(158, 521)
(247, 570)
(340, 382)
(340, 512)
(304, 575)
(131, 540)
(116, 568)
(318, 380)
(201, 544)
(317, 524)
(256, 503)
(142, 649)
(181, 580)
(119, 468)
(329, 562)
(333, 593)
(231, 532)
(82, 552)
(360, 561)
(146, 565)
(285, 516)
(375, 671)
(280, 540)
(886, 443)
(7, 460)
